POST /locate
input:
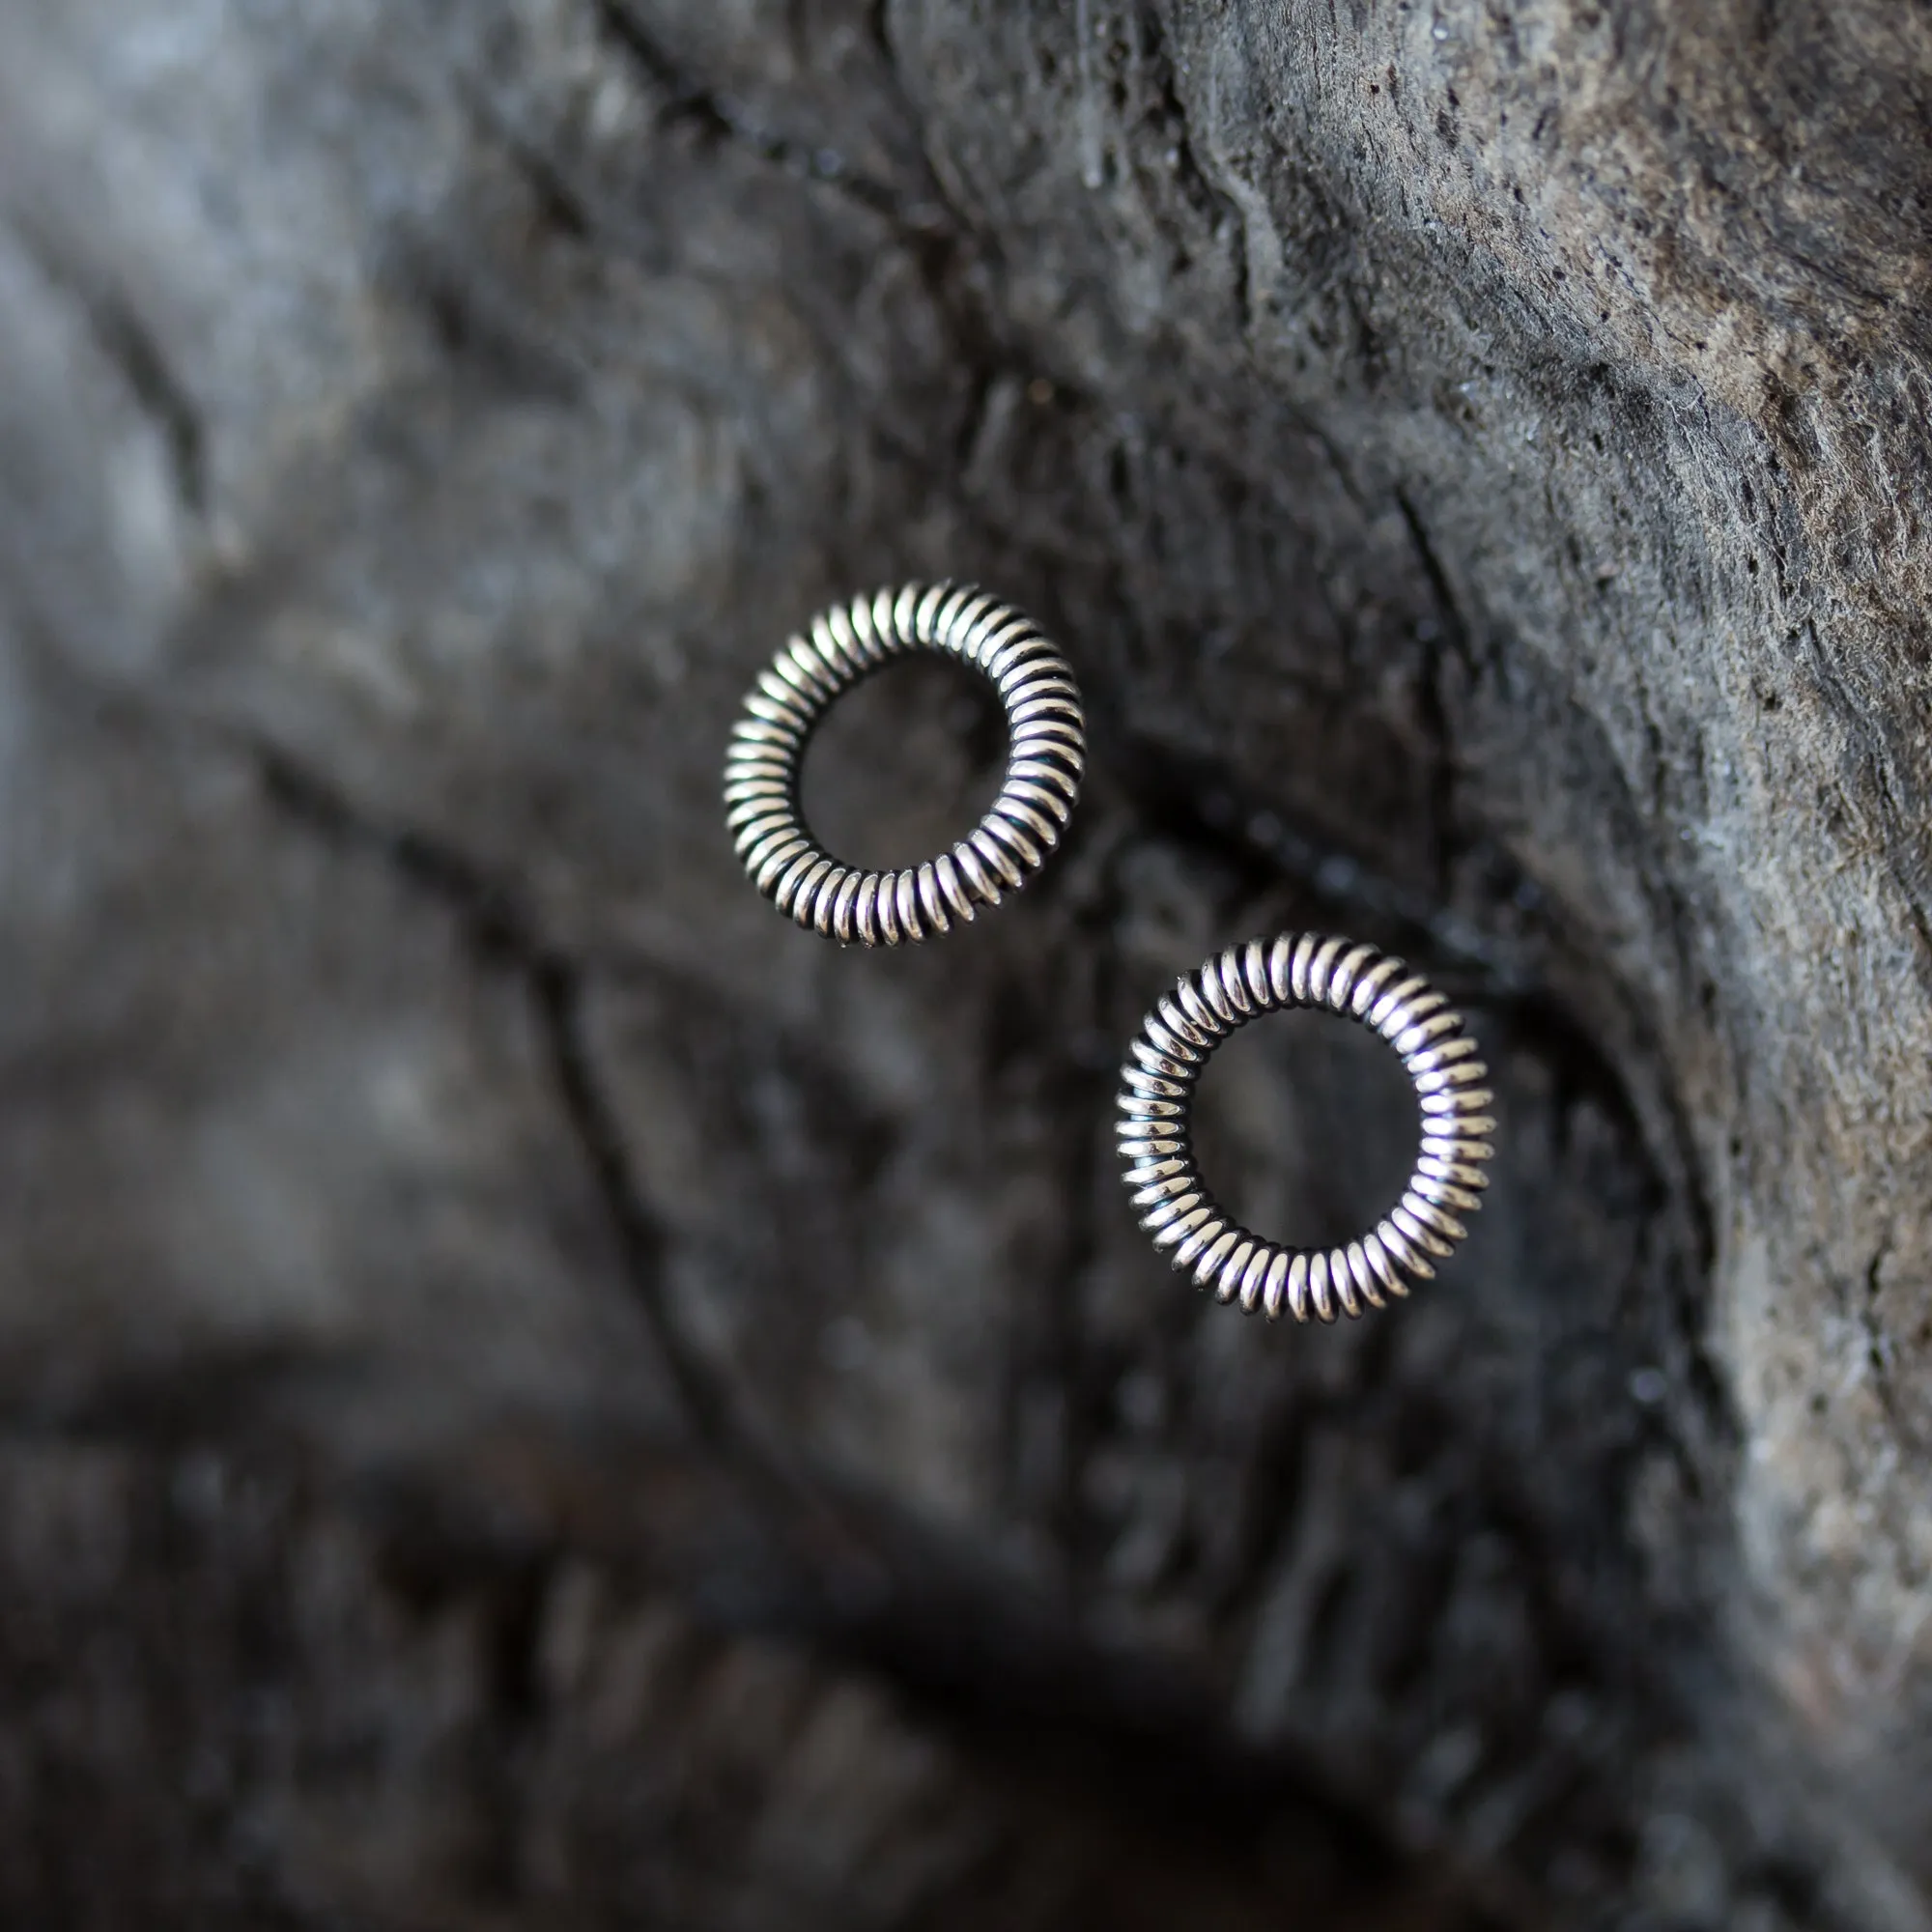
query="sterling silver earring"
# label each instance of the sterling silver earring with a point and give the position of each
(1045, 759)
(1156, 1100)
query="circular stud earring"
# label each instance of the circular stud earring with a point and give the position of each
(1046, 759)
(1157, 1084)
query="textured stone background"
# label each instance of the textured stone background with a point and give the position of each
(536, 1393)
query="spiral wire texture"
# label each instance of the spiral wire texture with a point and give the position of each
(1158, 1085)
(1045, 759)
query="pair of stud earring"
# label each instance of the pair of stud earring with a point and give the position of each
(1046, 758)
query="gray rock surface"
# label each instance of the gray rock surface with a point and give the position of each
(539, 1394)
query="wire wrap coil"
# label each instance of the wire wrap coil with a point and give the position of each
(1157, 1086)
(1045, 762)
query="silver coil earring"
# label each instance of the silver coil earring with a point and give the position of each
(1046, 759)
(1158, 1085)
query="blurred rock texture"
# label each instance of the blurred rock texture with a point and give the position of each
(536, 1393)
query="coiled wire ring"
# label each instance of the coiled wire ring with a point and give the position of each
(1045, 759)
(1157, 1101)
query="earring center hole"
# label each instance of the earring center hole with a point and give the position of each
(1306, 1127)
(905, 764)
